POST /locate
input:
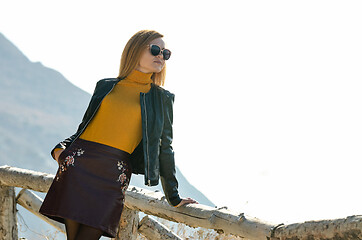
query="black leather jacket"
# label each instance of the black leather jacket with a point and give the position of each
(154, 156)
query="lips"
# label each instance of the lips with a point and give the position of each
(159, 62)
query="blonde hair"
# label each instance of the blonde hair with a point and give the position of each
(131, 55)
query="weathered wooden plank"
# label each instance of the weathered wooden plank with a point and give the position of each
(198, 215)
(349, 228)
(154, 230)
(24, 178)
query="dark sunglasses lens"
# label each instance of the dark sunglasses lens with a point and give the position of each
(166, 54)
(155, 50)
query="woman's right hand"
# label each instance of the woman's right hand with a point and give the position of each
(186, 201)
(57, 153)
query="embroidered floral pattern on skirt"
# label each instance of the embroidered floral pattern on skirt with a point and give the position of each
(68, 161)
(122, 178)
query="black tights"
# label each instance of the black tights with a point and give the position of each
(77, 231)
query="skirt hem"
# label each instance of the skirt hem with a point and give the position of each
(60, 217)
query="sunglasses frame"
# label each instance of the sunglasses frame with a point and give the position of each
(161, 51)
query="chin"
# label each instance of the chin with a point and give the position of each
(157, 70)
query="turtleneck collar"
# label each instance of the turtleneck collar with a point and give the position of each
(139, 77)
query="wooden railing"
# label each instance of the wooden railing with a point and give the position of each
(154, 203)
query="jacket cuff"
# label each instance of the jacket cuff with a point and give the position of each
(174, 202)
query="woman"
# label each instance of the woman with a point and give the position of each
(127, 128)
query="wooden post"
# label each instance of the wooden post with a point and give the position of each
(32, 203)
(153, 229)
(128, 225)
(8, 220)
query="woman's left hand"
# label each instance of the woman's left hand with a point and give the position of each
(186, 201)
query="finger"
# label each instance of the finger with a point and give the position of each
(183, 202)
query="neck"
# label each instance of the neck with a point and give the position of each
(141, 69)
(140, 77)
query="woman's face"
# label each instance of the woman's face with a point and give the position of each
(149, 63)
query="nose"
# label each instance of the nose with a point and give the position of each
(160, 55)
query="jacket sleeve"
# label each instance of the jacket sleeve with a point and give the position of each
(167, 160)
(66, 142)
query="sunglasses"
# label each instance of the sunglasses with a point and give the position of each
(156, 50)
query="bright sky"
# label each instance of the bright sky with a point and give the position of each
(267, 115)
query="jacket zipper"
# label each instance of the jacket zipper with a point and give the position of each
(91, 117)
(147, 152)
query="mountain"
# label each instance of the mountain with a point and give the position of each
(39, 108)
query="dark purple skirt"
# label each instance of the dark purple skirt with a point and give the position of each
(89, 186)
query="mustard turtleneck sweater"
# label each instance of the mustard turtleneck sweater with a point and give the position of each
(118, 122)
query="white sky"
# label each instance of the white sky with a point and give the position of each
(267, 115)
